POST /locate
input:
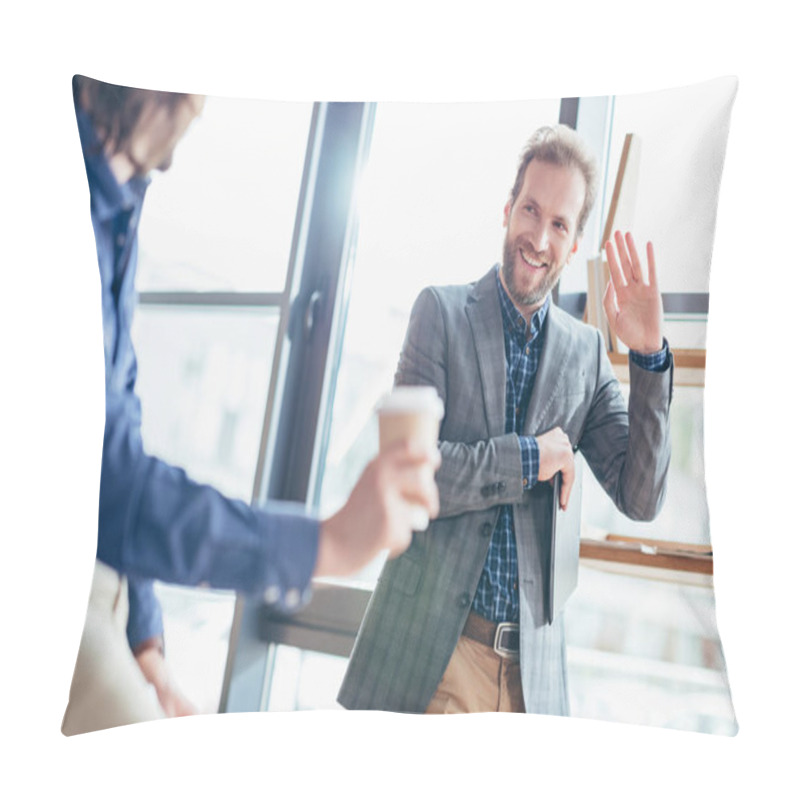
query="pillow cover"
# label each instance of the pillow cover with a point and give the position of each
(273, 268)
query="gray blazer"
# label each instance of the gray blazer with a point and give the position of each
(455, 343)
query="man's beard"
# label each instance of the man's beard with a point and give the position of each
(537, 293)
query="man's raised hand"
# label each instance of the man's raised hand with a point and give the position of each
(633, 307)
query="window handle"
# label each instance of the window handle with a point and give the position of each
(310, 315)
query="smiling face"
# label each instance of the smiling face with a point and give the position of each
(541, 232)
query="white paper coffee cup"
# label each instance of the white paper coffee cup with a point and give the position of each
(411, 413)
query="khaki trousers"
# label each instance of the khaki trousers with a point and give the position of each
(108, 688)
(477, 679)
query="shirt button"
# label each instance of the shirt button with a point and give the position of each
(463, 601)
(486, 529)
(292, 598)
(524, 481)
(527, 351)
(272, 595)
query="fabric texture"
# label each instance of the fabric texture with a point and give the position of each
(455, 343)
(477, 679)
(108, 688)
(497, 596)
(154, 521)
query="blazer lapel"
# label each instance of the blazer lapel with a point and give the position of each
(551, 373)
(485, 318)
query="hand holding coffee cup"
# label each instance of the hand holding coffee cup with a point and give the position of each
(376, 514)
(412, 414)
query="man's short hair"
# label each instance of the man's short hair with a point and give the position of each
(115, 110)
(561, 146)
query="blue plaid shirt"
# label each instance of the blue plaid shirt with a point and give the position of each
(497, 596)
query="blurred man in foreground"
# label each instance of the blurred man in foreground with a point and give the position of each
(156, 523)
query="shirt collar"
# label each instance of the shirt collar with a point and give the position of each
(512, 319)
(108, 198)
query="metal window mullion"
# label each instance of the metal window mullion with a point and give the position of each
(316, 305)
(568, 111)
(249, 667)
(300, 376)
(339, 321)
(275, 394)
(594, 118)
(211, 299)
(591, 118)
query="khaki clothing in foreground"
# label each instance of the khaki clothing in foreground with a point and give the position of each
(108, 688)
(477, 679)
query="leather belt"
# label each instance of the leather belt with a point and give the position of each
(502, 637)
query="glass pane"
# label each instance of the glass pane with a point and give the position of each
(431, 211)
(222, 217)
(203, 379)
(682, 148)
(684, 515)
(638, 651)
(646, 652)
(197, 628)
(303, 680)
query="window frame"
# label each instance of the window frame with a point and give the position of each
(313, 313)
(297, 423)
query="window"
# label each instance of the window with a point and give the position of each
(428, 209)
(431, 212)
(647, 652)
(673, 205)
(222, 217)
(674, 209)
(203, 380)
(684, 516)
(214, 247)
(653, 641)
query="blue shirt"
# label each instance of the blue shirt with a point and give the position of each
(154, 522)
(497, 595)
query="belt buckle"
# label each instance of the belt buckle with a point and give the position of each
(502, 650)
